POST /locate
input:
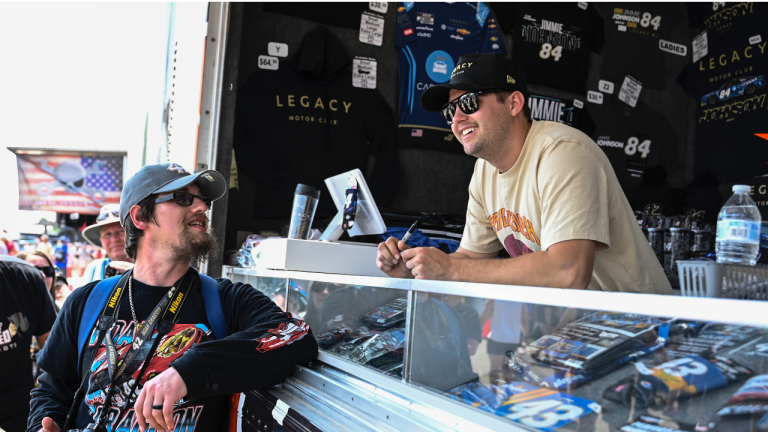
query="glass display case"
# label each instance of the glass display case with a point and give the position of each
(478, 356)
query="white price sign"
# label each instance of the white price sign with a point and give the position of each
(630, 91)
(700, 46)
(578, 104)
(595, 97)
(380, 7)
(605, 86)
(267, 62)
(364, 72)
(371, 29)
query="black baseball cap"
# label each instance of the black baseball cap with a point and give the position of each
(477, 72)
(155, 179)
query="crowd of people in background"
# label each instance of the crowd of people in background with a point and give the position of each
(65, 260)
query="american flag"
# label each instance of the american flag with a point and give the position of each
(43, 187)
(416, 132)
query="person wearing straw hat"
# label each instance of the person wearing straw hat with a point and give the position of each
(108, 234)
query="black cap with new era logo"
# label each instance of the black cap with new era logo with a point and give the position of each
(477, 72)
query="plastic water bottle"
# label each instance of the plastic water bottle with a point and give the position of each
(738, 229)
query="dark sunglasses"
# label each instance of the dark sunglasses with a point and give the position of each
(184, 199)
(103, 216)
(468, 103)
(48, 271)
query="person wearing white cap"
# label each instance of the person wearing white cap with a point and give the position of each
(108, 234)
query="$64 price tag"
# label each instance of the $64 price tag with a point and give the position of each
(268, 62)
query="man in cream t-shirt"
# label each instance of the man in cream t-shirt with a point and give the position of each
(543, 191)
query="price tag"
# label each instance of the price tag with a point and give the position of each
(673, 48)
(595, 97)
(380, 7)
(630, 91)
(605, 86)
(755, 40)
(699, 46)
(364, 72)
(267, 62)
(277, 49)
(582, 5)
(578, 104)
(371, 28)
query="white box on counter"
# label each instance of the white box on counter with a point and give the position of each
(356, 259)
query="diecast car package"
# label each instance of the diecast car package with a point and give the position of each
(747, 409)
(709, 339)
(597, 341)
(390, 341)
(655, 424)
(387, 315)
(680, 378)
(587, 349)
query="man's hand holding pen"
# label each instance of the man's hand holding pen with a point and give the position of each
(390, 261)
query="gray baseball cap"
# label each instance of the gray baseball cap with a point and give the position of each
(155, 179)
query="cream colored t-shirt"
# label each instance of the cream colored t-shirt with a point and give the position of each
(562, 188)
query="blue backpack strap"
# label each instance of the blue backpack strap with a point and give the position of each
(93, 308)
(213, 310)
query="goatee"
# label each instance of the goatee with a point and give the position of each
(196, 246)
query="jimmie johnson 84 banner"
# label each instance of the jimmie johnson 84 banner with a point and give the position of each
(68, 181)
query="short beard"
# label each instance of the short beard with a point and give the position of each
(195, 247)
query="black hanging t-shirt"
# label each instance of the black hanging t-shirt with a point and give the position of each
(724, 21)
(305, 122)
(347, 14)
(552, 41)
(632, 34)
(26, 310)
(634, 140)
(568, 112)
(730, 86)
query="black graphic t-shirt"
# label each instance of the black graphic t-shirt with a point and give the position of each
(730, 86)
(264, 345)
(552, 41)
(634, 139)
(305, 122)
(26, 310)
(632, 34)
(724, 21)
(568, 112)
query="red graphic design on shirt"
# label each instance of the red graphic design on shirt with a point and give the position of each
(284, 334)
(516, 247)
(517, 222)
(408, 31)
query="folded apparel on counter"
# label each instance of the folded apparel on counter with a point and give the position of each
(419, 239)
(679, 378)
(387, 315)
(748, 407)
(536, 407)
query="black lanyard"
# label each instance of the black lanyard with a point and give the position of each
(167, 312)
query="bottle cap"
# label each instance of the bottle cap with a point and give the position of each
(741, 188)
(302, 189)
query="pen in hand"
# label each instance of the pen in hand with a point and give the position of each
(407, 235)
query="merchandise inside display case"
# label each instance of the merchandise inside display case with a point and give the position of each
(540, 365)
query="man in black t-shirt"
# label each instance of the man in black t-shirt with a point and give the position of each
(189, 377)
(26, 310)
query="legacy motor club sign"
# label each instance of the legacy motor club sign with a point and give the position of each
(68, 181)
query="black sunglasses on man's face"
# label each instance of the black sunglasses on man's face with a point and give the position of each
(184, 199)
(469, 103)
